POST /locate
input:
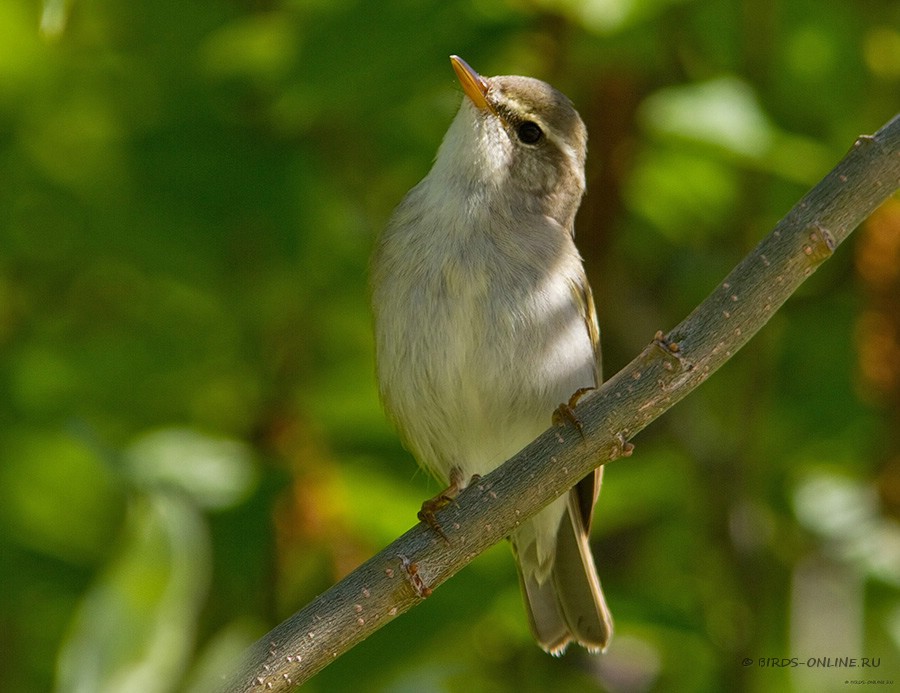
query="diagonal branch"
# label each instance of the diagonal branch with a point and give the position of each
(669, 368)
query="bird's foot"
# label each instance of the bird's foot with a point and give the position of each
(441, 500)
(566, 411)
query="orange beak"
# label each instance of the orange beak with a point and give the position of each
(472, 83)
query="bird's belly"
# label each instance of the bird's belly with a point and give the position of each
(484, 375)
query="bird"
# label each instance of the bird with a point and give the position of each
(484, 322)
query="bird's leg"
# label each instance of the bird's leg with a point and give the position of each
(566, 411)
(441, 500)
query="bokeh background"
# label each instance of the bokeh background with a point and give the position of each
(191, 444)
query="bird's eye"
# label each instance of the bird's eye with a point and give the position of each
(529, 132)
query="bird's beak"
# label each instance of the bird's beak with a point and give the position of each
(472, 83)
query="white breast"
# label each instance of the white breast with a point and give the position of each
(480, 338)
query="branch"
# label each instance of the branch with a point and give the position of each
(669, 368)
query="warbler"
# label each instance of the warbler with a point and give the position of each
(485, 323)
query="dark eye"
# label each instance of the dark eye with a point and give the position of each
(529, 132)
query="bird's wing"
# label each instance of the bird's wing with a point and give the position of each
(588, 489)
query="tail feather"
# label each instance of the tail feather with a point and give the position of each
(569, 605)
(548, 626)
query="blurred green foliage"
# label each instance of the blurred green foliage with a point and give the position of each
(191, 445)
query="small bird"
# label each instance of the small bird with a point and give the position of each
(485, 322)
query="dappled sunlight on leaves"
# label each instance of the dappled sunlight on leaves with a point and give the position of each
(212, 472)
(191, 444)
(57, 497)
(135, 626)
